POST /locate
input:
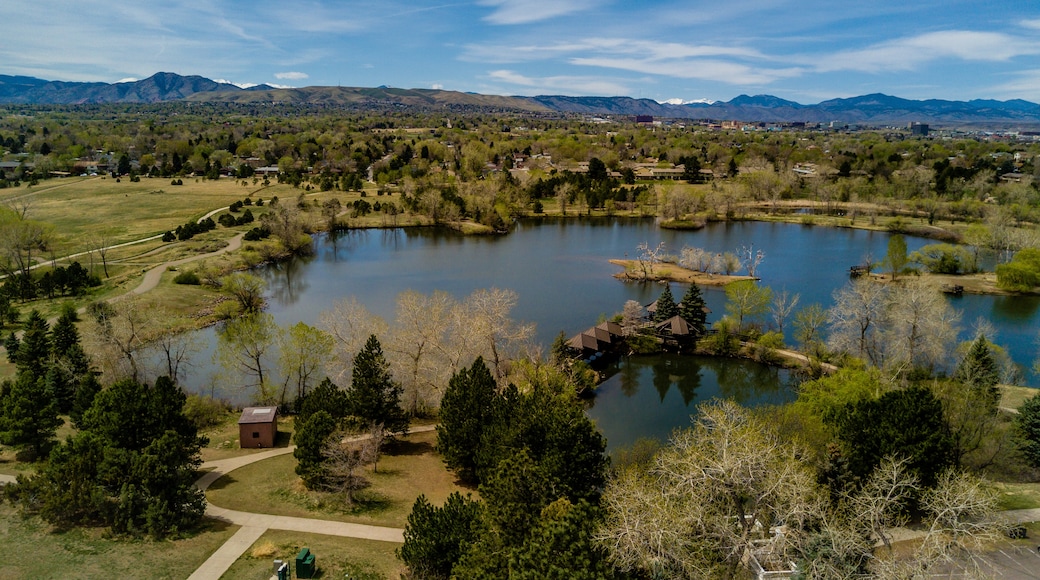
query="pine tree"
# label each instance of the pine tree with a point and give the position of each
(34, 348)
(465, 411)
(666, 307)
(30, 416)
(978, 370)
(311, 436)
(692, 309)
(374, 397)
(325, 397)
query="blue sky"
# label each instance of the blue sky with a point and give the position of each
(803, 50)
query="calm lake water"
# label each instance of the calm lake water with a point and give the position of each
(560, 270)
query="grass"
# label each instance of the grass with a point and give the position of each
(1012, 397)
(35, 551)
(128, 211)
(272, 487)
(1017, 496)
(223, 439)
(335, 557)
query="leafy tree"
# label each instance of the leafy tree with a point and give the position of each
(666, 307)
(1027, 424)
(692, 309)
(311, 436)
(465, 411)
(903, 423)
(746, 299)
(896, 257)
(30, 416)
(374, 397)
(435, 538)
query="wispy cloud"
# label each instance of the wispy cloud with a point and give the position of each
(572, 85)
(729, 64)
(291, 76)
(910, 53)
(1033, 24)
(523, 12)
(1026, 85)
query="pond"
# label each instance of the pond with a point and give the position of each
(561, 273)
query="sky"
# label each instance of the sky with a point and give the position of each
(802, 50)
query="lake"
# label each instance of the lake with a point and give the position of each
(560, 271)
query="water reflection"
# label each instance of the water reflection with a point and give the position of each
(650, 396)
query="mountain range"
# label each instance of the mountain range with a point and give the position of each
(873, 109)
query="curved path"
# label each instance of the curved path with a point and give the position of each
(254, 525)
(152, 276)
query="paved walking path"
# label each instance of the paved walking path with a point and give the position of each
(254, 525)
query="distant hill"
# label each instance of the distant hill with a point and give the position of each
(874, 109)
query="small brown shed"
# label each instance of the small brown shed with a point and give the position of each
(258, 427)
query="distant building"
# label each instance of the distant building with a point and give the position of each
(918, 129)
(645, 119)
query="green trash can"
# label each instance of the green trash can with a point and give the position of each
(305, 566)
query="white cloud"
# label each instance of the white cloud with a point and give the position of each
(239, 85)
(1026, 86)
(523, 12)
(573, 85)
(276, 86)
(909, 53)
(128, 80)
(677, 101)
(437, 87)
(291, 76)
(1033, 24)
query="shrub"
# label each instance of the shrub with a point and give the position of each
(205, 411)
(187, 277)
(643, 344)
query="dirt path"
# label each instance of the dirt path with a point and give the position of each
(153, 276)
(254, 525)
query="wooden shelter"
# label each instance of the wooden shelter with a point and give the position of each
(258, 427)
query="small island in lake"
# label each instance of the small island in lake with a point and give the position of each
(672, 273)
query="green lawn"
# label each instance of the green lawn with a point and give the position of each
(35, 551)
(336, 557)
(272, 487)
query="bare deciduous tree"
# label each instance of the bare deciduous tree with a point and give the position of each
(350, 324)
(784, 303)
(631, 317)
(498, 334)
(856, 318)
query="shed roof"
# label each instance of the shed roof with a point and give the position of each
(675, 325)
(258, 415)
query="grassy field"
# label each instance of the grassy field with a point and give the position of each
(35, 551)
(336, 557)
(1012, 397)
(272, 487)
(128, 211)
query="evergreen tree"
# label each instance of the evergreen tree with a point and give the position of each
(1027, 424)
(325, 397)
(907, 423)
(86, 390)
(311, 436)
(692, 309)
(374, 397)
(465, 410)
(34, 348)
(30, 416)
(978, 370)
(65, 335)
(666, 307)
(435, 538)
(132, 467)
